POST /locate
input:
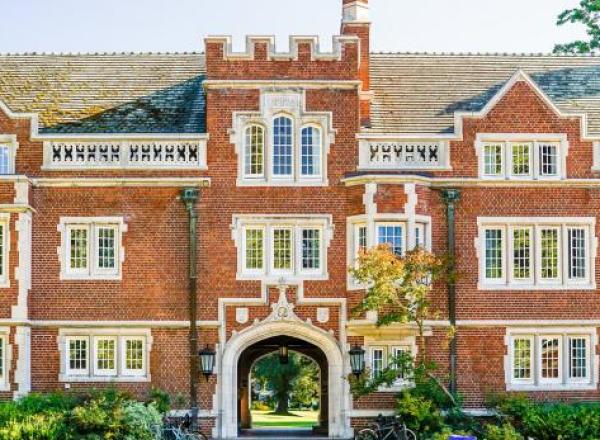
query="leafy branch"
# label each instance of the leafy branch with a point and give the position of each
(588, 14)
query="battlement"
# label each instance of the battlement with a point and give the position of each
(304, 60)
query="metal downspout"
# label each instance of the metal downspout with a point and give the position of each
(451, 197)
(189, 196)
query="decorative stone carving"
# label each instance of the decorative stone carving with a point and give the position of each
(241, 315)
(323, 314)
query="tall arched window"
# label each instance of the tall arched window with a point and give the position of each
(282, 146)
(254, 151)
(311, 151)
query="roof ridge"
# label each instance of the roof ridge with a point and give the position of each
(483, 54)
(91, 54)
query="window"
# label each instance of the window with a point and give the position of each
(4, 247)
(91, 248)
(492, 154)
(5, 159)
(3, 350)
(377, 361)
(311, 249)
(546, 360)
(420, 235)
(78, 356)
(254, 245)
(105, 355)
(282, 146)
(105, 350)
(282, 249)
(281, 246)
(517, 156)
(392, 235)
(134, 356)
(538, 252)
(254, 147)
(311, 151)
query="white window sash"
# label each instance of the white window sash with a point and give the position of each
(567, 254)
(396, 351)
(532, 363)
(246, 174)
(79, 270)
(538, 160)
(503, 248)
(293, 247)
(542, 380)
(133, 372)
(294, 150)
(401, 225)
(383, 351)
(96, 248)
(511, 256)
(9, 167)
(3, 358)
(560, 256)
(5, 230)
(503, 164)
(105, 372)
(300, 248)
(510, 159)
(77, 371)
(318, 158)
(588, 359)
(245, 229)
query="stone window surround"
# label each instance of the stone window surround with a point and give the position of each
(272, 105)
(120, 334)
(388, 345)
(62, 250)
(589, 223)
(534, 384)
(295, 222)
(10, 140)
(6, 359)
(5, 225)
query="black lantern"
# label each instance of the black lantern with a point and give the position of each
(357, 360)
(283, 354)
(207, 360)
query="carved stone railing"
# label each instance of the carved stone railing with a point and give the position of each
(376, 154)
(128, 154)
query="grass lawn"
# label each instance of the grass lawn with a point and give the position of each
(297, 419)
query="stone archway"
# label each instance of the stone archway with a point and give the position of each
(338, 390)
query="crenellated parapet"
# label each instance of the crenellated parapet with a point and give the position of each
(304, 60)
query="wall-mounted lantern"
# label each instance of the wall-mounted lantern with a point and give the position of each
(357, 360)
(207, 361)
(283, 354)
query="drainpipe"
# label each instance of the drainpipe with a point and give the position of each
(189, 196)
(451, 197)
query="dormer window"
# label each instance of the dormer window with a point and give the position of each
(522, 156)
(283, 144)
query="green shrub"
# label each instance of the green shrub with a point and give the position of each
(161, 399)
(419, 413)
(106, 415)
(552, 421)
(504, 432)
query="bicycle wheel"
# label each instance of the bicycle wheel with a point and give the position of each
(405, 434)
(366, 434)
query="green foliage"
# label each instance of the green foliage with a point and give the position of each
(419, 413)
(107, 415)
(503, 432)
(587, 14)
(161, 400)
(551, 421)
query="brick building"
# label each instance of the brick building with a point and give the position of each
(298, 159)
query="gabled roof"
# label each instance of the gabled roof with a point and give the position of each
(419, 93)
(107, 93)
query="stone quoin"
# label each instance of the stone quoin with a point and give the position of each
(298, 159)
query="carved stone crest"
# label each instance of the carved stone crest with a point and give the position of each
(323, 314)
(241, 315)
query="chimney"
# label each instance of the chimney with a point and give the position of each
(355, 21)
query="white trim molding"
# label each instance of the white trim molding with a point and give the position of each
(9, 141)
(521, 237)
(562, 369)
(5, 359)
(292, 105)
(91, 270)
(88, 371)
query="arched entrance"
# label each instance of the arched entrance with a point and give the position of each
(335, 384)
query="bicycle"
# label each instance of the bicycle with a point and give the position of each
(386, 428)
(176, 429)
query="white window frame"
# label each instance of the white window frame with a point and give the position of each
(389, 345)
(563, 282)
(9, 141)
(104, 371)
(509, 259)
(383, 351)
(5, 225)
(77, 371)
(483, 267)
(5, 359)
(274, 105)
(92, 373)
(564, 382)
(532, 372)
(254, 227)
(92, 225)
(295, 223)
(126, 372)
(387, 224)
(536, 140)
(251, 176)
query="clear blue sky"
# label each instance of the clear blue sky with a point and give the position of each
(180, 25)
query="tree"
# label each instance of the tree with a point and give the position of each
(297, 378)
(399, 289)
(588, 14)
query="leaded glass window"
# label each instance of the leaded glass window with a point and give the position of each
(282, 146)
